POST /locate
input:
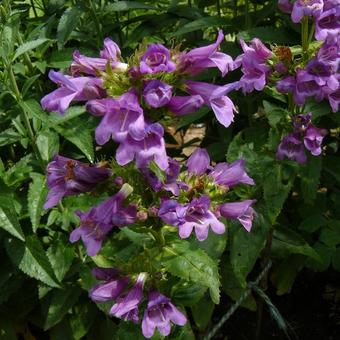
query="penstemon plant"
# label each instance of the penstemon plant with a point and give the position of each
(143, 190)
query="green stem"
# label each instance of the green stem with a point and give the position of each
(159, 237)
(96, 22)
(24, 116)
(218, 5)
(304, 34)
(33, 8)
(311, 34)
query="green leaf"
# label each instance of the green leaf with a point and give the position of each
(157, 171)
(330, 235)
(61, 256)
(278, 35)
(313, 223)
(31, 258)
(33, 108)
(274, 113)
(324, 259)
(310, 178)
(79, 133)
(9, 136)
(61, 301)
(48, 144)
(28, 46)
(190, 263)
(36, 197)
(336, 259)
(8, 218)
(126, 5)
(287, 241)
(202, 312)
(67, 24)
(186, 293)
(193, 117)
(332, 166)
(200, 24)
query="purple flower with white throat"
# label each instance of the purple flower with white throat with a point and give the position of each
(322, 74)
(126, 307)
(182, 105)
(313, 139)
(198, 162)
(150, 148)
(156, 59)
(292, 147)
(124, 117)
(98, 221)
(303, 8)
(71, 89)
(215, 96)
(241, 211)
(160, 313)
(194, 215)
(328, 23)
(114, 284)
(198, 59)
(157, 93)
(230, 175)
(67, 177)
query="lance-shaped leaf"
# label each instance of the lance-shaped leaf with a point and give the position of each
(28, 46)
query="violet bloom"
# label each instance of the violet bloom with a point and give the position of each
(182, 105)
(198, 162)
(126, 307)
(123, 117)
(230, 175)
(304, 8)
(159, 314)
(215, 96)
(194, 215)
(67, 177)
(329, 54)
(156, 59)
(291, 147)
(285, 6)
(313, 140)
(328, 23)
(241, 211)
(157, 93)
(198, 59)
(71, 89)
(113, 285)
(334, 100)
(98, 221)
(302, 122)
(322, 74)
(151, 147)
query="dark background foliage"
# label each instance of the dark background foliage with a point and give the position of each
(43, 279)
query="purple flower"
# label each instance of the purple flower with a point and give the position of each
(156, 59)
(159, 314)
(285, 6)
(241, 211)
(67, 177)
(313, 139)
(286, 84)
(281, 67)
(304, 8)
(328, 23)
(123, 118)
(99, 107)
(71, 89)
(98, 221)
(126, 307)
(156, 93)
(112, 287)
(334, 100)
(215, 96)
(322, 74)
(182, 105)
(198, 162)
(151, 147)
(198, 59)
(329, 54)
(291, 147)
(111, 50)
(302, 122)
(194, 215)
(231, 174)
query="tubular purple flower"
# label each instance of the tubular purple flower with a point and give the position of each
(334, 100)
(304, 8)
(159, 313)
(151, 147)
(215, 96)
(231, 174)
(328, 23)
(111, 50)
(241, 211)
(67, 177)
(194, 215)
(313, 139)
(182, 105)
(291, 147)
(98, 221)
(157, 93)
(198, 59)
(71, 89)
(156, 59)
(198, 162)
(126, 307)
(99, 107)
(329, 54)
(302, 122)
(124, 117)
(322, 74)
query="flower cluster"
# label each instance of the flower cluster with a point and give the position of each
(304, 136)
